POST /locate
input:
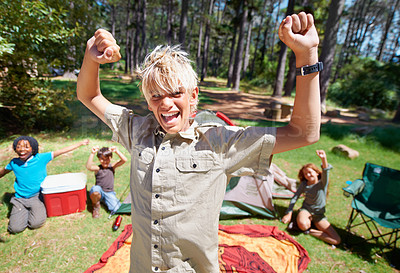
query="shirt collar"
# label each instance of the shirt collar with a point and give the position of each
(188, 134)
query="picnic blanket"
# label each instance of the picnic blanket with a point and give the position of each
(242, 248)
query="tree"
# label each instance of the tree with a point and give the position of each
(280, 72)
(240, 46)
(183, 23)
(35, 36)
(329, 46)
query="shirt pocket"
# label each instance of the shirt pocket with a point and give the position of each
(193, 176)
(143, 159)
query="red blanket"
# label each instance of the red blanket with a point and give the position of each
(242, 248)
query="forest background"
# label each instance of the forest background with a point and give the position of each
(233, 42)
(236, 40)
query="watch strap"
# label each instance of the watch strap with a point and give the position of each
(308, 69)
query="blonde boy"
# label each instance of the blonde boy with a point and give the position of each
(179, 168)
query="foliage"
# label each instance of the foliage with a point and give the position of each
(37, 35)
(367, 83)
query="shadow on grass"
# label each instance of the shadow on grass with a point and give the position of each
(6, 200)
(369, 250)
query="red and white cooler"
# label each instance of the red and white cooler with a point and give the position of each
(64, 193)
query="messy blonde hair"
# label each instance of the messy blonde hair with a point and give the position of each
(167, 69)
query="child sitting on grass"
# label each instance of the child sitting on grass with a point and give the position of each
(314, 183)
(179, 168)
(104, 173)
(28, 209)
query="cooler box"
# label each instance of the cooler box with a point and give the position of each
(64, 193)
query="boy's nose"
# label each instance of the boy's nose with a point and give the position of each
(167, 102)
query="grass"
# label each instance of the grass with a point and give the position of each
(72, 243)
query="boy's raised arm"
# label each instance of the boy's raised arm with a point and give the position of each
(70, 148)
(100, 49)
(3, 172)
(122, 157)
(298, 33)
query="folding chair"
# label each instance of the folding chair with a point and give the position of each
(376, 198)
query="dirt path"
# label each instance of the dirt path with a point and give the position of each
(250, 106)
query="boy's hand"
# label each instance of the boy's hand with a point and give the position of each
(95, 149)
(298, 32)
(103, 48)
(85, 142)
(113, 149)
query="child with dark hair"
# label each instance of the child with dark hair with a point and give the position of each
(30, 170)
(314, 184)
(104, 173)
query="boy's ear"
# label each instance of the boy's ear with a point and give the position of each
(194, 96)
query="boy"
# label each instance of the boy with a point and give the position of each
(30, 170)
(179, 169)
(104, 173)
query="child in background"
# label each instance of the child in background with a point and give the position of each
(179, 168)
(29, 168)
(104, 173)
(314, 183)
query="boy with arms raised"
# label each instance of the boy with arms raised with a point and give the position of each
(179, 168)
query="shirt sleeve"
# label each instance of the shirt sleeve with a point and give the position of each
(247, 150)
(325, 176)
(295, 197)
(118, 118)
(9, 166)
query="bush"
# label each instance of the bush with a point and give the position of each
(367, 83)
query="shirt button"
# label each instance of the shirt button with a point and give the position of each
(156, 268)
(163, 148)
(157, 195)
(155, 222)
(155, 246)
(158, 170)
(194, 165)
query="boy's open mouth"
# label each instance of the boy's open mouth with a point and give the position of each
(24, 155)
(168, 117)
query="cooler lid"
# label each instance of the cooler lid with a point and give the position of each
(64, 182)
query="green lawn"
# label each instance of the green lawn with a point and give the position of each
(74, 242)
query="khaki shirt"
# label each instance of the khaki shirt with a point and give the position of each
(178, 184)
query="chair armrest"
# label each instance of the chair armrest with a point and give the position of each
(354, 188)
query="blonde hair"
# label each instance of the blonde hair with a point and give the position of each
(167, 69)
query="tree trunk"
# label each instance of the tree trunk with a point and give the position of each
(329, 47)
(291, 76)
(206, 42)
(169, 21)
(280, 72)
(247, 51)
(127, 25)
(143, 44)
(183, 23)
(260, 26)
(138, 30)
(239, 49)
(276, 25)
(231, 59)
(396, 118)
(198, 55)
(388, 24)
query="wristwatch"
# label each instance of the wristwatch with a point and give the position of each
(308, 69)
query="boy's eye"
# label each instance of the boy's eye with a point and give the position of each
(177, 93)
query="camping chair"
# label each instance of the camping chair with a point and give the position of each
(376, 198)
